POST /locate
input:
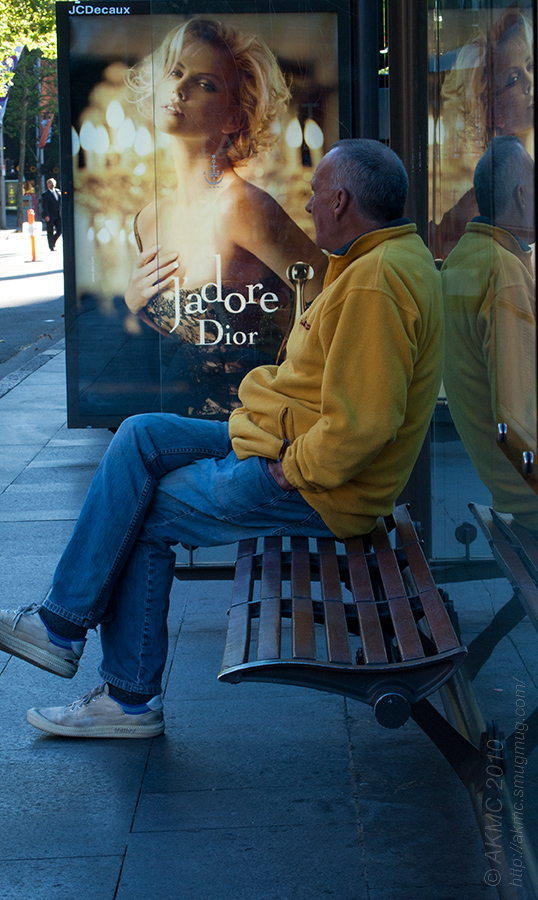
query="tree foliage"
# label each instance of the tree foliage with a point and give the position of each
(28, 29)
(26, 23)
(33, 93)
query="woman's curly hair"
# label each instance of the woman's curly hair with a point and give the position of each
(263, 94)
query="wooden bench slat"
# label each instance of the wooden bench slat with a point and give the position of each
(336, 630)
(502, 545)
(336, 634)
(523, 541)
(512, 554)
(373, 644)
(529, 546)
(413, 551)
(302, 612)
(441, 628)
(244, 571)
(301, 582)
(271, 567)
(330, 575)
(405, 630)
(519, 577)
(388, 564)
(236, 651)
(269, 629)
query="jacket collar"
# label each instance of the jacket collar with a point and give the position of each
(338, 262)
(394, 224)
(497, 232)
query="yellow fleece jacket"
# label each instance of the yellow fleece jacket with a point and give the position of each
(356, 392)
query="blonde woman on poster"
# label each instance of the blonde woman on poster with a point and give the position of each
(491, 90)
(213, 254)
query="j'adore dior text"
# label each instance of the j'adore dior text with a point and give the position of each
(198, 303)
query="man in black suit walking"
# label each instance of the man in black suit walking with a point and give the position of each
(51, 206)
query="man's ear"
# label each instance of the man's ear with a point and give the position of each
(340, 203)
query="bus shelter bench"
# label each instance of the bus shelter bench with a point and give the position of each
(379, 631)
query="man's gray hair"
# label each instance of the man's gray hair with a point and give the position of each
(498, 173)
(373, 176)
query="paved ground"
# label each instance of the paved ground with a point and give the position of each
(255, 792)
(31, 302)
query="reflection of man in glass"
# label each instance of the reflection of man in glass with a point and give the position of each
(489, 289)
(215, 251)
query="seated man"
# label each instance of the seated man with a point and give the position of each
(322, 445)
(490, 328)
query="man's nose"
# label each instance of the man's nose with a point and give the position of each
(308, 206)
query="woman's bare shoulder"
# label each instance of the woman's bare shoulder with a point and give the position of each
(144, 224)
(252, 211)
(258, 223)
(254, 200)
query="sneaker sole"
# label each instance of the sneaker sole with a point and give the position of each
(10, 643)
(35, 718)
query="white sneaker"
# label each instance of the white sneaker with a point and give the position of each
(98, 715)
(23, 633)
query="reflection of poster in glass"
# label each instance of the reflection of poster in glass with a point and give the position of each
(194, 139)
(481, 85)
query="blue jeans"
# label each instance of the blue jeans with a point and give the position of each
(163, 480)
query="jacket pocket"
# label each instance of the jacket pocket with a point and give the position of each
(285, 424)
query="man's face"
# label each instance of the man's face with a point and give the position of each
(320, 204)
(51, 184)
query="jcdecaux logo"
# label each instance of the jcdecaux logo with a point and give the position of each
(85, 9)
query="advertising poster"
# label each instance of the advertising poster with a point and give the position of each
(190, 134)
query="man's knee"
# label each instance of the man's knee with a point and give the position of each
(137, 428)
(139, 422)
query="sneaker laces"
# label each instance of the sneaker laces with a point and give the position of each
(29, 609)
(87, 698)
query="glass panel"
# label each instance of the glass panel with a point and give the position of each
(482, 231)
